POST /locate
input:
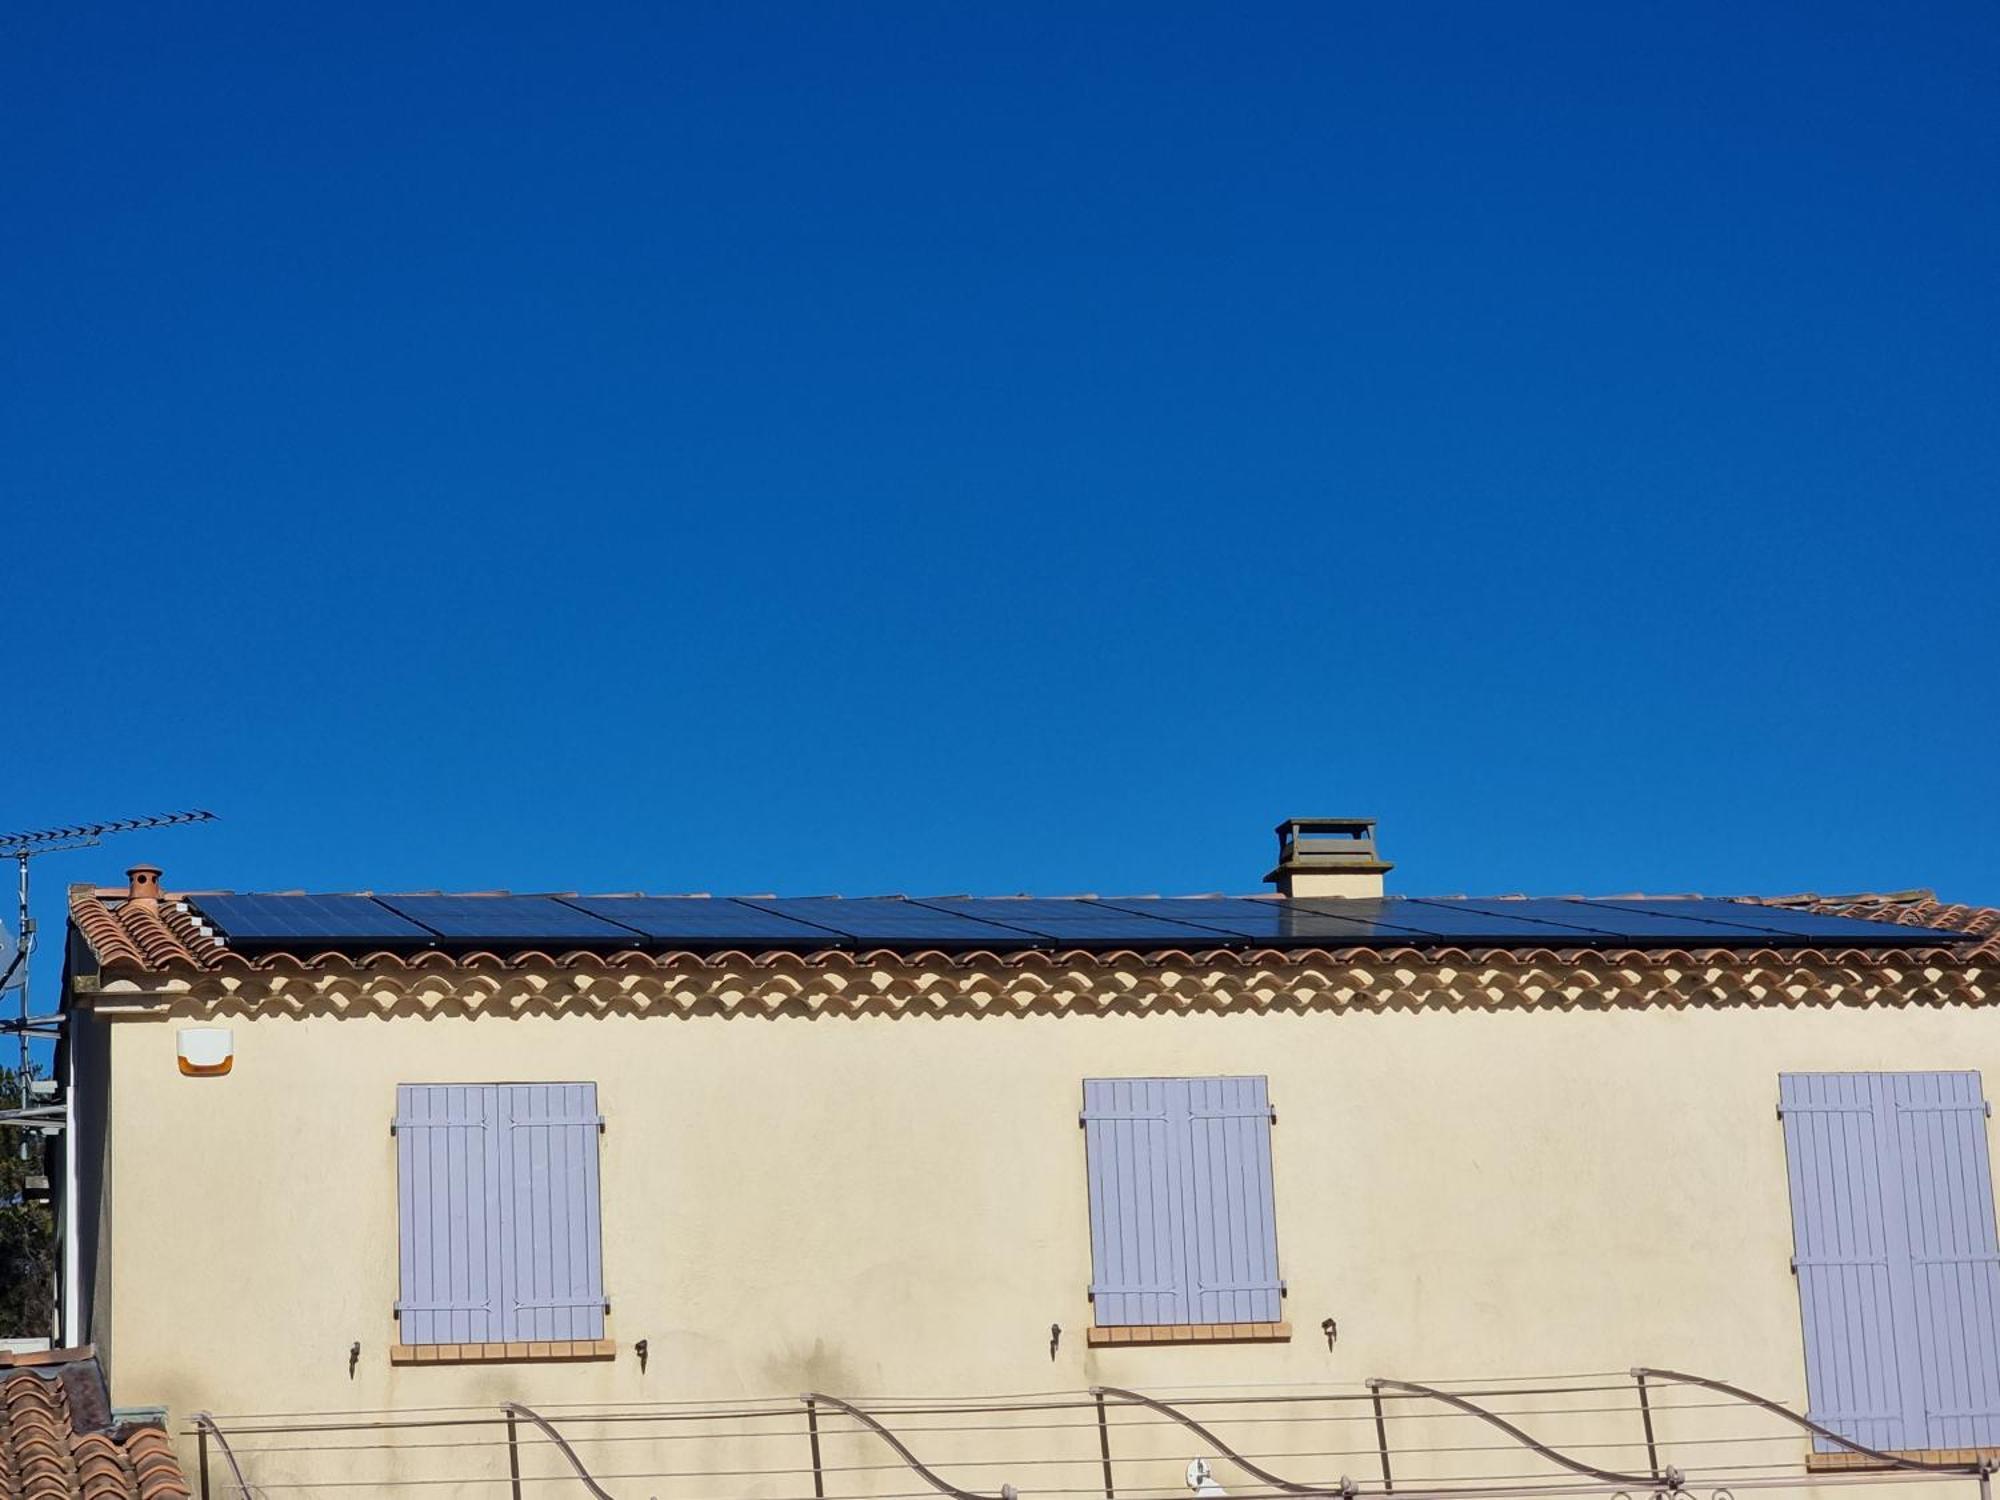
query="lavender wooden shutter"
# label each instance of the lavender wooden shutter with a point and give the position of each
(1133, 1145)
(1898, 1265)
(1946, 1202)
(1234, 1249)
(448, 1186)
(1182, 1226)
(552, 1284)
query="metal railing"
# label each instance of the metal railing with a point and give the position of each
(1045, 1424)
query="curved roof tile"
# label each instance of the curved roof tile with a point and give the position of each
(44, 1398)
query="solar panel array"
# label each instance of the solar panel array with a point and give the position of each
(963, 923)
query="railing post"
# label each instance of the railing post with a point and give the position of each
(1381, 1437)
(1646, 1416)
(1104, 1446)
(514, 1454)
(812, 1432)
(201, 1447)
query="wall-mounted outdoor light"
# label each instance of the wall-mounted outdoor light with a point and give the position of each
(206, 1051)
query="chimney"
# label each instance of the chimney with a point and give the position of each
(145, 883)
(1328, 857)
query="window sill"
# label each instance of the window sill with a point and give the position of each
(558, 1351)
(1194, 1333)
(1834, 1463)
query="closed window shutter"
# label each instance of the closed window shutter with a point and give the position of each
(1947, 1203)
(498, 1210)
(448, 1182)
(554, 1275)
(1235, 1249)
(1182, 1225)
(1897, 1261)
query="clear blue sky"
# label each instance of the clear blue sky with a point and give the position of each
(947, 448)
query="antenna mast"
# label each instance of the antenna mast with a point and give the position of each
(22, 847)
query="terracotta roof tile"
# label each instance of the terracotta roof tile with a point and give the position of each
(140, 934)
(56, 1441)
(1909, 909)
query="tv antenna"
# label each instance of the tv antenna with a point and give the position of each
(21, 848)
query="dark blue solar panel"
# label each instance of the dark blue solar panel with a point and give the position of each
(1447, 921)
(706, 921)
(1458, 919)
(893, 921)
(1781, 926)
(1076, 920)
(1271, 921)
(1028, 922)
(352, 919)
(532, 917)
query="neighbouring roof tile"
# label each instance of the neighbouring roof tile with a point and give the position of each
(57, 1440)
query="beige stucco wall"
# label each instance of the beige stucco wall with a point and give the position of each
(897, 1204)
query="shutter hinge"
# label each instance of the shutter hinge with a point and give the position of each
(1781, 1109)
(392, 1127)
(1795, 1265)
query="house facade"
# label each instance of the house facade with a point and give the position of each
(352, 1154)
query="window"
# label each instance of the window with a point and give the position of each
(1897, 1263)
(1182, 1226)
(497, 1199)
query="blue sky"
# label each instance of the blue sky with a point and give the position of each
(869, 448)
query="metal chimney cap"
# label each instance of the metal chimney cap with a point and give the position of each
(1345, 845)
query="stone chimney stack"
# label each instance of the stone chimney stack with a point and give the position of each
(1328, 857)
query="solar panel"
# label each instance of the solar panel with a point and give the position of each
(350, 919)
(893, 921)
(706, 921)
(530, 917)
(962, 922)
(1076, 921)
(1280, 923)
(1784, 926)
(1452, 921)
(1501, 920)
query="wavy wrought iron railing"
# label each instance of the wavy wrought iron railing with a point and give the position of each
(1660, 1481)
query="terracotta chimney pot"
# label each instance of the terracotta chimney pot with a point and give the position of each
(145, 881)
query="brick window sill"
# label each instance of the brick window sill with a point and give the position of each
(1194, 1333)
(559, 1351)
(1834, 1463)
